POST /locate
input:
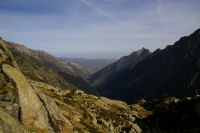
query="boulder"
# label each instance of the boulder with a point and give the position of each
(79, 92)
(51, 107)
(32, 109)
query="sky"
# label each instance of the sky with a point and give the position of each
(97, 28)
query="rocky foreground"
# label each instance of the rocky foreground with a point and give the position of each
(31, 106)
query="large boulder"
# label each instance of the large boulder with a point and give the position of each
(32, 109)
(53, 111)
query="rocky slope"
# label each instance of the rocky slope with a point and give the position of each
(126, 62)
(34, 69)
(172, 115)
(31, 106)
(173, 71)
(55, 63)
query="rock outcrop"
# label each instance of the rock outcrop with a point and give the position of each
(9, 125)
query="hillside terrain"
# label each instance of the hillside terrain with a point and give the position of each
(29, 104)
(172, 115)
(125, 63)
(34, 69)
(54, 63)
(92, 64)
(56, 110)
(173, 71)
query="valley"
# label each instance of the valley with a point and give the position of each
(149, 92)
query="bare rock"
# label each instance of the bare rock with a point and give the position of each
(32, 110)
(9, 125)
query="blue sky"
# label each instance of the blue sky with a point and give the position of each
(97, 28)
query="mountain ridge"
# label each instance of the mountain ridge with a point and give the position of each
(31, 106)
(93, 64)
(126, 62)
(32, 68)
(55, 63)
(173, 71)
(27, 105)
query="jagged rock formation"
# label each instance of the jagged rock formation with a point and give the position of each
(173, 71)
(31, 106)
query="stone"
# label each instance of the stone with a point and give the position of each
(131, 117)
(189, 98)
(51, 106)
(5, 97)
(136, 128)
(94, 120)
(32, 110)
(9, 125)
(105, 123)
(112, 127)
(79, 92)
(11, 109)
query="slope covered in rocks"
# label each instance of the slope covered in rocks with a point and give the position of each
(31, 106)
(172, 115)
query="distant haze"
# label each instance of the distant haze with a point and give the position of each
(97, 28)
(97, 55)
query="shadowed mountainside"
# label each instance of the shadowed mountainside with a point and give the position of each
(126, 62)
(174, 71)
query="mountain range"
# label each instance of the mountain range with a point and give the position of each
(126, 62)
(92, 64)
(28, 106)
(41, 66)
(54, 63)
(173, 71)
(37, 97)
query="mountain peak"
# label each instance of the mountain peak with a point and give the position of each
(122, 64)
(142, 50)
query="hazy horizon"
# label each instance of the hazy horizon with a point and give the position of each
(97, 28)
